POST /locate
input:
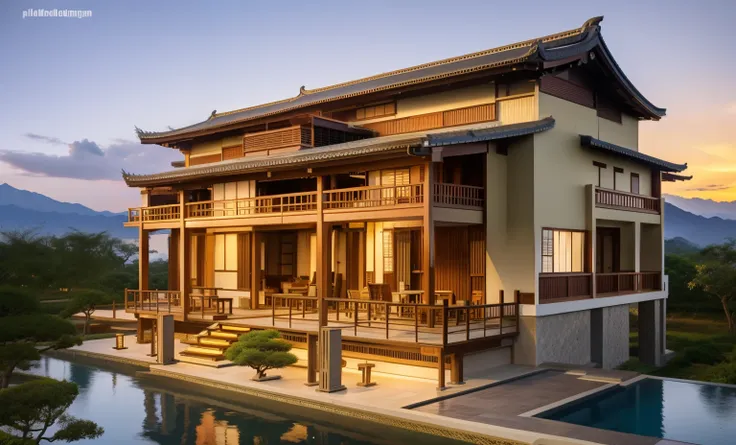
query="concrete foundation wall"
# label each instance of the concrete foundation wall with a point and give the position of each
(479, 363)
(564, 338)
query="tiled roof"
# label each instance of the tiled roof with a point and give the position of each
(354, 149)
(661, 164)
(556, 47)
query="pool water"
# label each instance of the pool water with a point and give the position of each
(144, 410)
(675, 410)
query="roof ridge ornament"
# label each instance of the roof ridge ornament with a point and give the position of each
(302, 90)
(591, 22)
(213, 115)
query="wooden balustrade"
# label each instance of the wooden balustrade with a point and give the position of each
(564, 286)
(438, 119)
(573, 286)
(614, 199)
(374, 196)
(167, 212)
(295, 136)
(462, 196)
(165, 301)
(272, 204)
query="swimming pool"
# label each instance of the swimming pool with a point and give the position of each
(671, 409)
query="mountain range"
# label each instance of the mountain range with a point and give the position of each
(25, 210)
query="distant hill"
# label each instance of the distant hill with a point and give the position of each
(25, 199)
(680, 246)
(25, 210)
(695, 228)
(704, 207)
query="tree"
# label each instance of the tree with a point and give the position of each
(717, 276)
(25, 333)
(31, 408)
(85, 301)
(261, 350)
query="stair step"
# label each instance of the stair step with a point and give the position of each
(231, 328)
(224, 335)
(196, 360)
(203, 351)
(214, 342)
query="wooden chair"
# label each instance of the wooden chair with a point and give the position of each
(353, 294)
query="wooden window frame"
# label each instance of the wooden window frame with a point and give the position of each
(616, 170)
(638, 184)
(360, 113)
(600, 165)
(224, 253)
(585, 251)
(384, 257)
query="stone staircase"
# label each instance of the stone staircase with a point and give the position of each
(209, 346)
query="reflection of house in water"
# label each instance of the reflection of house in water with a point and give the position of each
(211, 431)
(297, 434)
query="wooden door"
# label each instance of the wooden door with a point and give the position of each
(607, 249)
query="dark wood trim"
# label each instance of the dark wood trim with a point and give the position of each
(616, 170)
(567, 90)
(638, 184)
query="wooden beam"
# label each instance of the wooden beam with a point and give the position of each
(428, 237)
(185, 252)
(255, 272)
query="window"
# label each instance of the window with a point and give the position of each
(371, 112)
(635, 183)
(616, 170)
(600, 166)
(563, 251)
(388, 251)
(226, 252)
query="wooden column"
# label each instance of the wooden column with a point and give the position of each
(174, 260)
(185, 254)
(428, 236)
(441, 369)
(142, 258)
(255, 269)
(323, 255)
(456, 370)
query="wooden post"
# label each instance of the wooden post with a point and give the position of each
(428, 239)
(323, 255)
(113, 309)
(174, 260)
(255, 273)
(441, 370)
(456, 369)
(142, 258)
(185, 282)
(311, 360)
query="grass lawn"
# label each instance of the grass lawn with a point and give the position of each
(704, 349)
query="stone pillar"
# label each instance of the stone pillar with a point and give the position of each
(330, 360)
(165, 339)
(609, 336)
(311, 360)
(650, 332)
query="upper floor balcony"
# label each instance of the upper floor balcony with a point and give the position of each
(618, 200)
(343, 204)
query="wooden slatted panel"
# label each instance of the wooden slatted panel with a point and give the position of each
(626, 201)
(236, 151)
(469, 115)
(449, 118)
(281, 138)
(244, 258)
(560, 286)
(208, 159)
(564, 89)
(477, 239)
(452, 261)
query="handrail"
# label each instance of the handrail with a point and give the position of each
(151, 300)
(555, 287)
(167, 212)
(457, 195)
(374, 196)
(616, 199)
(267, 204)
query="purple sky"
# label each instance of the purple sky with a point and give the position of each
(72, 90)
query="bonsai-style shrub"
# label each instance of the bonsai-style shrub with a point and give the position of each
(85, 301)
(261, 350)
(28, 410)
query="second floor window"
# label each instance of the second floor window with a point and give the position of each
(563, 251)
(635, 183)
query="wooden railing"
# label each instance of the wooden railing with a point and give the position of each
(564, 286)
(272, 204)
(152, 300)
(374, 196)
(156, 213)
(439, 119)
(622, 283)
(573, 286)
(461, 196)
(614, 199)
(296, 136)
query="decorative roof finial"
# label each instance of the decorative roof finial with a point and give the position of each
(302, 90)
(138, 131)
(214, 113)
(595, 21)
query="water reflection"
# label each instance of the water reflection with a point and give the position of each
(142, 410)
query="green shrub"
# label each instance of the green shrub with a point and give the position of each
(704, 354)
(261, 350)
(722, 373)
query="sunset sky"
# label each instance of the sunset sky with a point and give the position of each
(72, 90)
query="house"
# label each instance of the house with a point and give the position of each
(483, 209)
